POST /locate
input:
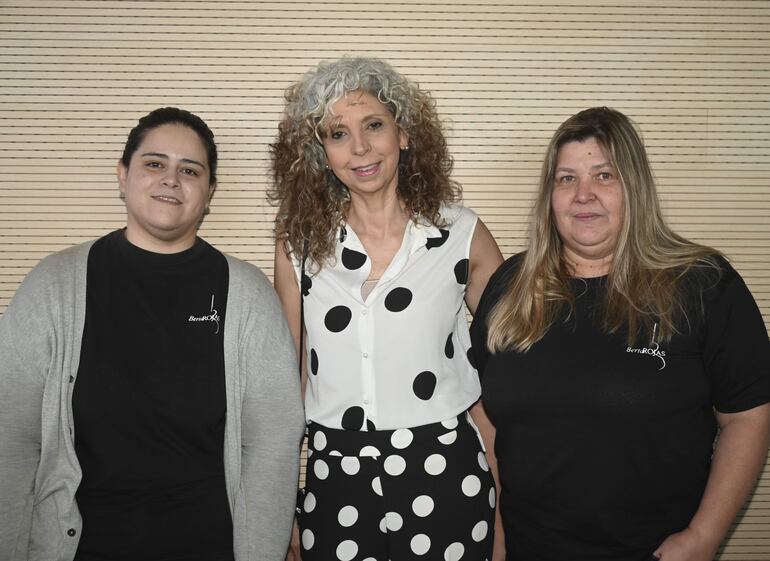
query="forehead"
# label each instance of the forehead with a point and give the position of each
(588, 150)
(356, 102)
(176, 139)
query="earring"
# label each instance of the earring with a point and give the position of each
(404, 147)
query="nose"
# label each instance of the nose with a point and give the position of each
(170, 179)
(584, 191)
(360, 144)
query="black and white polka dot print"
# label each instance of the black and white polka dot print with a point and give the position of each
(352, 259)
(307, 284)
(424, 385)
(471, 357)
(398, 299)
(353, 418)
(338, 318)
(313, 362)
(461, 271)
(359, 347)
(449, 348)
(408, 494)
(439, 241)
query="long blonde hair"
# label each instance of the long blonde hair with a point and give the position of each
(643, 286)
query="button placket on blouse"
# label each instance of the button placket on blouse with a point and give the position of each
(413, 242)
(366, 337)
(364, 326)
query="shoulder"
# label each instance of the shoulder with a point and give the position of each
(249, 288)
(507, 269)
(499, 282)
(713, 291)
(245, 275)
(710, 278)
(60, 267)
(55, 286)
(456, 215)
(65, 259)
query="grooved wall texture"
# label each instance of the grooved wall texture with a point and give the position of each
(695, 74)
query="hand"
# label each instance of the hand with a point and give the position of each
(294, 548)
(686, 545)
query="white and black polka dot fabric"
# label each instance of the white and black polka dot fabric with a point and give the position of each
(400, 358)
(424, 493)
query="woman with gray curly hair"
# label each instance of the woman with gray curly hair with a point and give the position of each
(374, 259)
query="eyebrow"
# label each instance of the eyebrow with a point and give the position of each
(373, 114)
(165, 157)
(606, 164)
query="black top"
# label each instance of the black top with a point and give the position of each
(149, 405)
(604, 448)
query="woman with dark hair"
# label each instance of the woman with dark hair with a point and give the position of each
(612, 352)
(147, 404)
(370, 228)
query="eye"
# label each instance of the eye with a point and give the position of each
(153, 164)
(336, 135)
(604, 176)
(374, 125)
(190, 171)
(565, 179)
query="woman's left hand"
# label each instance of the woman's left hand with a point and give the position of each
(687, 545)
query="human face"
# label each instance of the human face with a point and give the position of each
(587, 205)
(166, 189)
(362, 144)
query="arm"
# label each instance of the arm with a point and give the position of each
(739, 454)
(273, 425)
(288, 293)
(25, 349)
(487, 430)
(485, 258)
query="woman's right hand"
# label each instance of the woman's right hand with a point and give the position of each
(293, 553)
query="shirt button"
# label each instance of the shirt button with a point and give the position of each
(363, 312)
(366, 402)
(366, 355)
(71, 532)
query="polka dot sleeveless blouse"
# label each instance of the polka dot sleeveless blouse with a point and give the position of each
(400, 358)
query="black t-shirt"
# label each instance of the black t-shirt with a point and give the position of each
(604, 448)
(149, 405)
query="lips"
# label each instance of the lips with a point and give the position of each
(365, 171)
(167, 199)
(587, 216)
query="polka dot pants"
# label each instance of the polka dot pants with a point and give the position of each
(423, 493)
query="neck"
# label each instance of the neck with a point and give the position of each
(155, 245)
(377, 217)
(587, 267)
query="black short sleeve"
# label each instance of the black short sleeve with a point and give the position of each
(736, 351)
(497, 284)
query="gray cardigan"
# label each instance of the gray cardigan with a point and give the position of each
(40, 338)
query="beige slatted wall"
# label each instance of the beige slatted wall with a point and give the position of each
(75, 76)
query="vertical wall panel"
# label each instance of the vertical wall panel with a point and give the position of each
(695, 74)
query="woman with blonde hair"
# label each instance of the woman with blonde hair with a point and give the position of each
(369, 227)
(612, 351)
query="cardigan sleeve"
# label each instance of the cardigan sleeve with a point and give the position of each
(273, 425)
(26, 351)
